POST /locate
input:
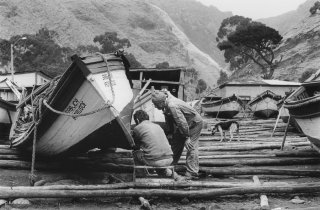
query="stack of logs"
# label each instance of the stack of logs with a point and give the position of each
(255, 154)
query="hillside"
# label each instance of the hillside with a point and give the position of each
(299, 47)
(154, 36)
(283, 23)
(199, 22)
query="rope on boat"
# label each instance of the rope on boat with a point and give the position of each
(106, 106)
(75, 115)
(37, 107)
(219, 109)
(299, 104)
(36, 119)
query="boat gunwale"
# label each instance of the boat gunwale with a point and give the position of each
(263, 95)
(222, 101)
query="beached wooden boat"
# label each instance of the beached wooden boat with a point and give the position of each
(7, 113)
(221, 107)
(90, 106)
(304, 107)
(284, 115)
(265, 104)
(9, 98)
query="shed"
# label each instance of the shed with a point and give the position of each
(171, 79)
(22, 79)
(250, 89)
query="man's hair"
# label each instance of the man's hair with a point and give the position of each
(140, 116)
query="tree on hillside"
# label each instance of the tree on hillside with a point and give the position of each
(110, 42)
(38, 52)
(314, 8)
(163, 65)
(305, 75)
(201, 86)
(223, 78)
(86, 49)
(242, 40)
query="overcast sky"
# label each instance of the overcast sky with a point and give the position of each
(255, 9)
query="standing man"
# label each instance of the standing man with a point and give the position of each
(185, 125)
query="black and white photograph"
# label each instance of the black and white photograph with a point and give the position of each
(160, 104)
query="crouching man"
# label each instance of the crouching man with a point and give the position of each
(154, 148)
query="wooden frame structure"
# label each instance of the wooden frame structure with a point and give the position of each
(170, 78)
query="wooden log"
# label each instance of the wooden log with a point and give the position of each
(208, 193)
(254, 155)
(259, 171)
(256, 162)
(8, 152)
(263, 139)
(67, 166)
(301, 153)
(260, 155)
(235, 143)
(263, 198)
(248, 147)
(11, 157)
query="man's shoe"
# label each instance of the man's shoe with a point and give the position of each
(191, 176)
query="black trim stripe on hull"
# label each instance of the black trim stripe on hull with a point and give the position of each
(266, 113)
(223, 114)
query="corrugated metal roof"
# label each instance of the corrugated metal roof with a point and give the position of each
(280, 82)
(261, 83)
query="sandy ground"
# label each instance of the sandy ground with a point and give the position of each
(279, 202)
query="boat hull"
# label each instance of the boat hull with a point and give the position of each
(7, 114)
(227, 110)
(82, 91)
(284, 116)
(265, 108)
(304, 107)
(308, 119)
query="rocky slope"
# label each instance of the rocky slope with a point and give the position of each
(200, 23)
(300, 46)
(154, 36)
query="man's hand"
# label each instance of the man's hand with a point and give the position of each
(188, 144)
(138, 154)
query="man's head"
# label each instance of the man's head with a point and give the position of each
(140, 116)
(159, 99)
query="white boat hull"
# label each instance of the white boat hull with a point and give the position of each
(98, 125)
(265, 108)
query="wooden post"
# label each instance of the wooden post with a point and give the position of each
(263, 198)
(142, 90)
(285, 133)
(275, 126)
